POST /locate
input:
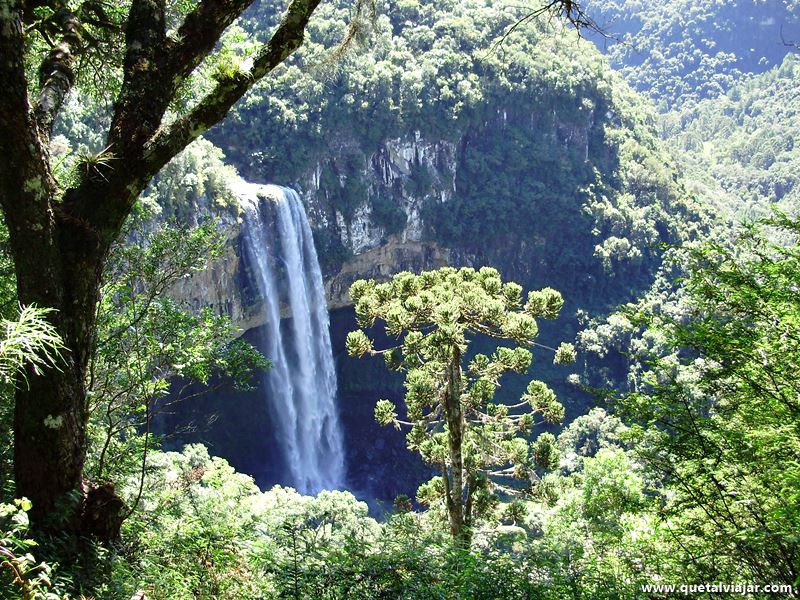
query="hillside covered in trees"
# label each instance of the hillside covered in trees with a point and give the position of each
(742, 144)
(522, 323)
(678, 52)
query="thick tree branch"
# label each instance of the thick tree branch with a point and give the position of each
(56, 74)
(211, 109)
(143, 99)
(96, 209)
(198, 34)
(155, 65)
(14, 107)
(137, 139)
(25, 180)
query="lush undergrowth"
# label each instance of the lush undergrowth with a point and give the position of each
(204, 531)
(699, 486)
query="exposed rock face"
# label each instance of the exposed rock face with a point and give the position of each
(367, 248)
(531, 191)
(389, 174)
(219, 287)
(381, 263)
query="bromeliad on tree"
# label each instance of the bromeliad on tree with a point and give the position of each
(139, 54)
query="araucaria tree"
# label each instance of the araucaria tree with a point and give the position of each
(143, 52)
(480, 445)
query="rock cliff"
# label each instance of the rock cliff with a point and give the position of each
(353, 244)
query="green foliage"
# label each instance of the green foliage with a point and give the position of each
(588, 434)
(565, 354)
(147, 342)
(425, 72)
(388, 214)
(741, 147)
(456, 423)
(194, 183)
(191, 537)
(610, 487)
(507, 151)
(208, 532)
(20, 575)
(599, 540)
(679, 51)
(716, 413)
(30, 341)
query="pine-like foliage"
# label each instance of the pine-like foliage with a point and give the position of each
(479, 444)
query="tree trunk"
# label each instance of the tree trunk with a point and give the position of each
(60, 241)
(51, 411)
(50, 444)
(455, 433)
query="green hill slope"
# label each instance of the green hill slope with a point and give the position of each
(743, 146)
(680, 51)
(533, 155)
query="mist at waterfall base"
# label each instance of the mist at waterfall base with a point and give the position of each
(297, 427)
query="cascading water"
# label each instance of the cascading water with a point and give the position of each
(302, 381)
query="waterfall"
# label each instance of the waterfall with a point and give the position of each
(302, 382)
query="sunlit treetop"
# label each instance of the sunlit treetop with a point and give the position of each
(455, 421)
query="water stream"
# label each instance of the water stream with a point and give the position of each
(301, 385)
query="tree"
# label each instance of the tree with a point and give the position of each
(28, 339)
(151, 353)
(717, 418)
(60, 237)
(456, 424)
(61, 233)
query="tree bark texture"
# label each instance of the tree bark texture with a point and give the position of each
(454, 417)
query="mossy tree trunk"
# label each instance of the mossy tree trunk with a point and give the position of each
(454, 478)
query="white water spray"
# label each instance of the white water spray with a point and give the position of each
(302, 381)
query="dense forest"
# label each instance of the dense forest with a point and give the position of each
(399, 299)
(741, 144)
(680, 52)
